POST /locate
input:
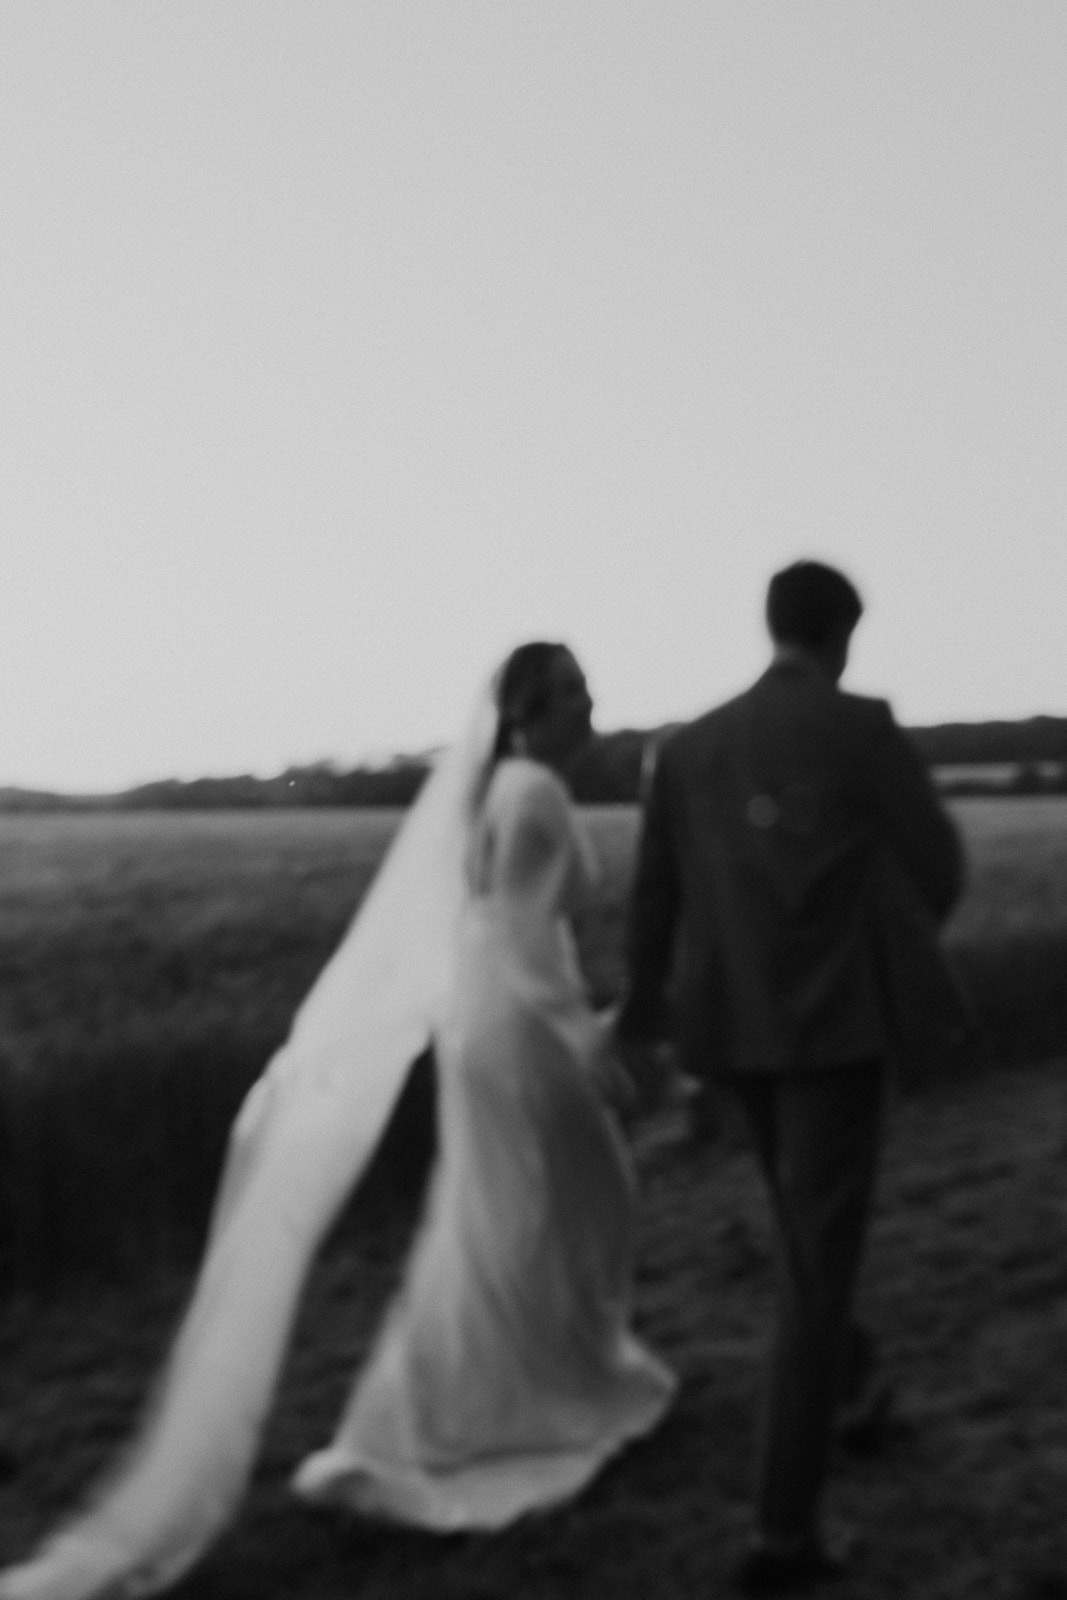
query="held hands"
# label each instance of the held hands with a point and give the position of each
(610, 1074)
(638, 1076)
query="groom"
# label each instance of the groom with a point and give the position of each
(767, 825)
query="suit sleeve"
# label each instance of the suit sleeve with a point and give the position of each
(915, 823)
(652, 917)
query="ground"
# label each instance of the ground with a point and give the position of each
(966, 1281)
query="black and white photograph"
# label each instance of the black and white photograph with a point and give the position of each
(533, 799)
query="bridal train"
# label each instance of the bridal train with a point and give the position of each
(505, 1371)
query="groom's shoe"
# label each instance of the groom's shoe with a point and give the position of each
(1044, 1586)
(868, 1416)
(871, 1422)
(791, 1566)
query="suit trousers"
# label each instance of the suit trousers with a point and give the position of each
(817, 1134)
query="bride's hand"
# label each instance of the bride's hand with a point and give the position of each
(609, 1070)
(652, 1070)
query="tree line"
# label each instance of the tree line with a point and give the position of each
(1031, 756)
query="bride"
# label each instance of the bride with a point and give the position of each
(504, 1373)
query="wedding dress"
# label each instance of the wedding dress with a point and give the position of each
(505, 1372)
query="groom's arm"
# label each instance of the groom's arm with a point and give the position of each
(914, 820)
(652, 918)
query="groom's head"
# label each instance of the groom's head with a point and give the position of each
(814, 608)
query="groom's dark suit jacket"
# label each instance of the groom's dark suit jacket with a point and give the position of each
(772, 828)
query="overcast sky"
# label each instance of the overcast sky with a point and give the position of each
(346, 343)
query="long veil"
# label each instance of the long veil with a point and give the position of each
(301, 1139)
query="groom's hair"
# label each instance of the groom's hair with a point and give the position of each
(808, 603)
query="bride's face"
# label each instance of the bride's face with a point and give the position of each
(565, 723)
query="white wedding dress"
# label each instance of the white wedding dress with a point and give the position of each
(505, 1372)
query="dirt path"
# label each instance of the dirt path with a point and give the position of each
(966, 1281)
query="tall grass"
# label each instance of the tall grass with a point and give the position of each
(150, 965)
(1008, 936)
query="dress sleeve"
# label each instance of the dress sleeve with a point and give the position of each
(539, 849)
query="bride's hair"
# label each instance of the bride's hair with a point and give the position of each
(523, 691)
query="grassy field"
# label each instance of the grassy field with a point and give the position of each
(149, 966)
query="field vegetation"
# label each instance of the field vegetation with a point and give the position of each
(150, 964)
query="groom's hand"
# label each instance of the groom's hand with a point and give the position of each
(649, 1064)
